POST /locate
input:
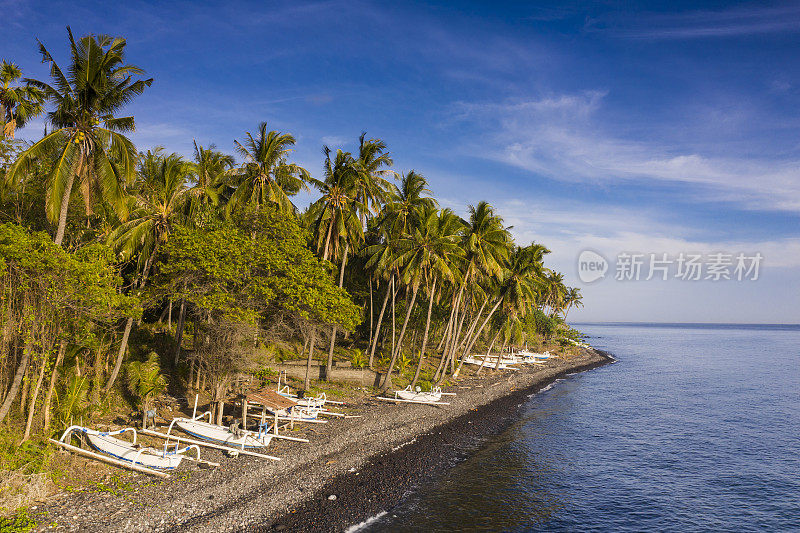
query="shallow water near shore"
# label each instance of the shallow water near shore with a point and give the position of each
(694, 429)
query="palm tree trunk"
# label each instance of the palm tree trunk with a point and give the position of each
(123, 346)
(179, 331)
(424, 336)
(329, 364)
(310, 358)
(471, 329)
(35, 396)
(451, 323)
(15, 385)
(388, 381)
(378, 325)
(62, 347)
(461, 315)
(489, 351)
(62, 215)
(454, 342)
(371, 311)
(478, 334)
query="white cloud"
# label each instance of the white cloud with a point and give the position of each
(334, 141)
(558, 137)
(735, 21)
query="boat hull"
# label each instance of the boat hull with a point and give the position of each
(126, 452)
(220, 434)
(418, 396)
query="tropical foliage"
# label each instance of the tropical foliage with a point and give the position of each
(181, 271)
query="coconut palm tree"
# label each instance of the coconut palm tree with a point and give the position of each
(573, 298)
(266, 176)
(334, 217)
(518, 290)
(210, 169)
(554, 290)
(429, 255)
(18, 104)
(88, 141)
(486, 245)
(394, 222)
(398, 214)
(160, 197)
(373, 188)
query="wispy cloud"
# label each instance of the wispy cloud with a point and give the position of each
(557, 137)
(570, 228)
(736, 21)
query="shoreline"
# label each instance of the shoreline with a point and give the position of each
(386, 480)
(368, 463)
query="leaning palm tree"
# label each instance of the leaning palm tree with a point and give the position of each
(156, 206)
(518, 290)
(393, 223)
(573, 298)
(429, 255)
(95, 87)
(18, 104)
(486, 245)
(266, 176)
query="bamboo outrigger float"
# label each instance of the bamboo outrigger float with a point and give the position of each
(208, 444)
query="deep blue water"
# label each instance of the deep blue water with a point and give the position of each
(696, 428)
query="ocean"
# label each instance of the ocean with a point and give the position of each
(695, 428)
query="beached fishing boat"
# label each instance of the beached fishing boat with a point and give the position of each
(418, 396)
(232, 436)
(316, 402)
(107, 443)
(505, 364)
(284, 407)
(409, 395)
(537, 356)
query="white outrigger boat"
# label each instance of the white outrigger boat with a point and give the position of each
(107, 443)
(491, 362)
(536, 357)
(317, 402)
(232, 436)
(409, 395)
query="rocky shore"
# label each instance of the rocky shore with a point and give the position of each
(353, 468)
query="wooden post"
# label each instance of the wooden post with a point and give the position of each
(244, 413)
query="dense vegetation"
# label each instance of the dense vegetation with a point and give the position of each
(123, 273)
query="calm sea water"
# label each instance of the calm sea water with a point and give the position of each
(696, 428)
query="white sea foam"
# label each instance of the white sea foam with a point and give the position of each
(404, 444)
(365, 523)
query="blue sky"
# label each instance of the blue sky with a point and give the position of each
(649, 127)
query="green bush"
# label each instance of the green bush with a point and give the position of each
(358, 359)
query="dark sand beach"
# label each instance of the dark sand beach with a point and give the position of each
(367, 463)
